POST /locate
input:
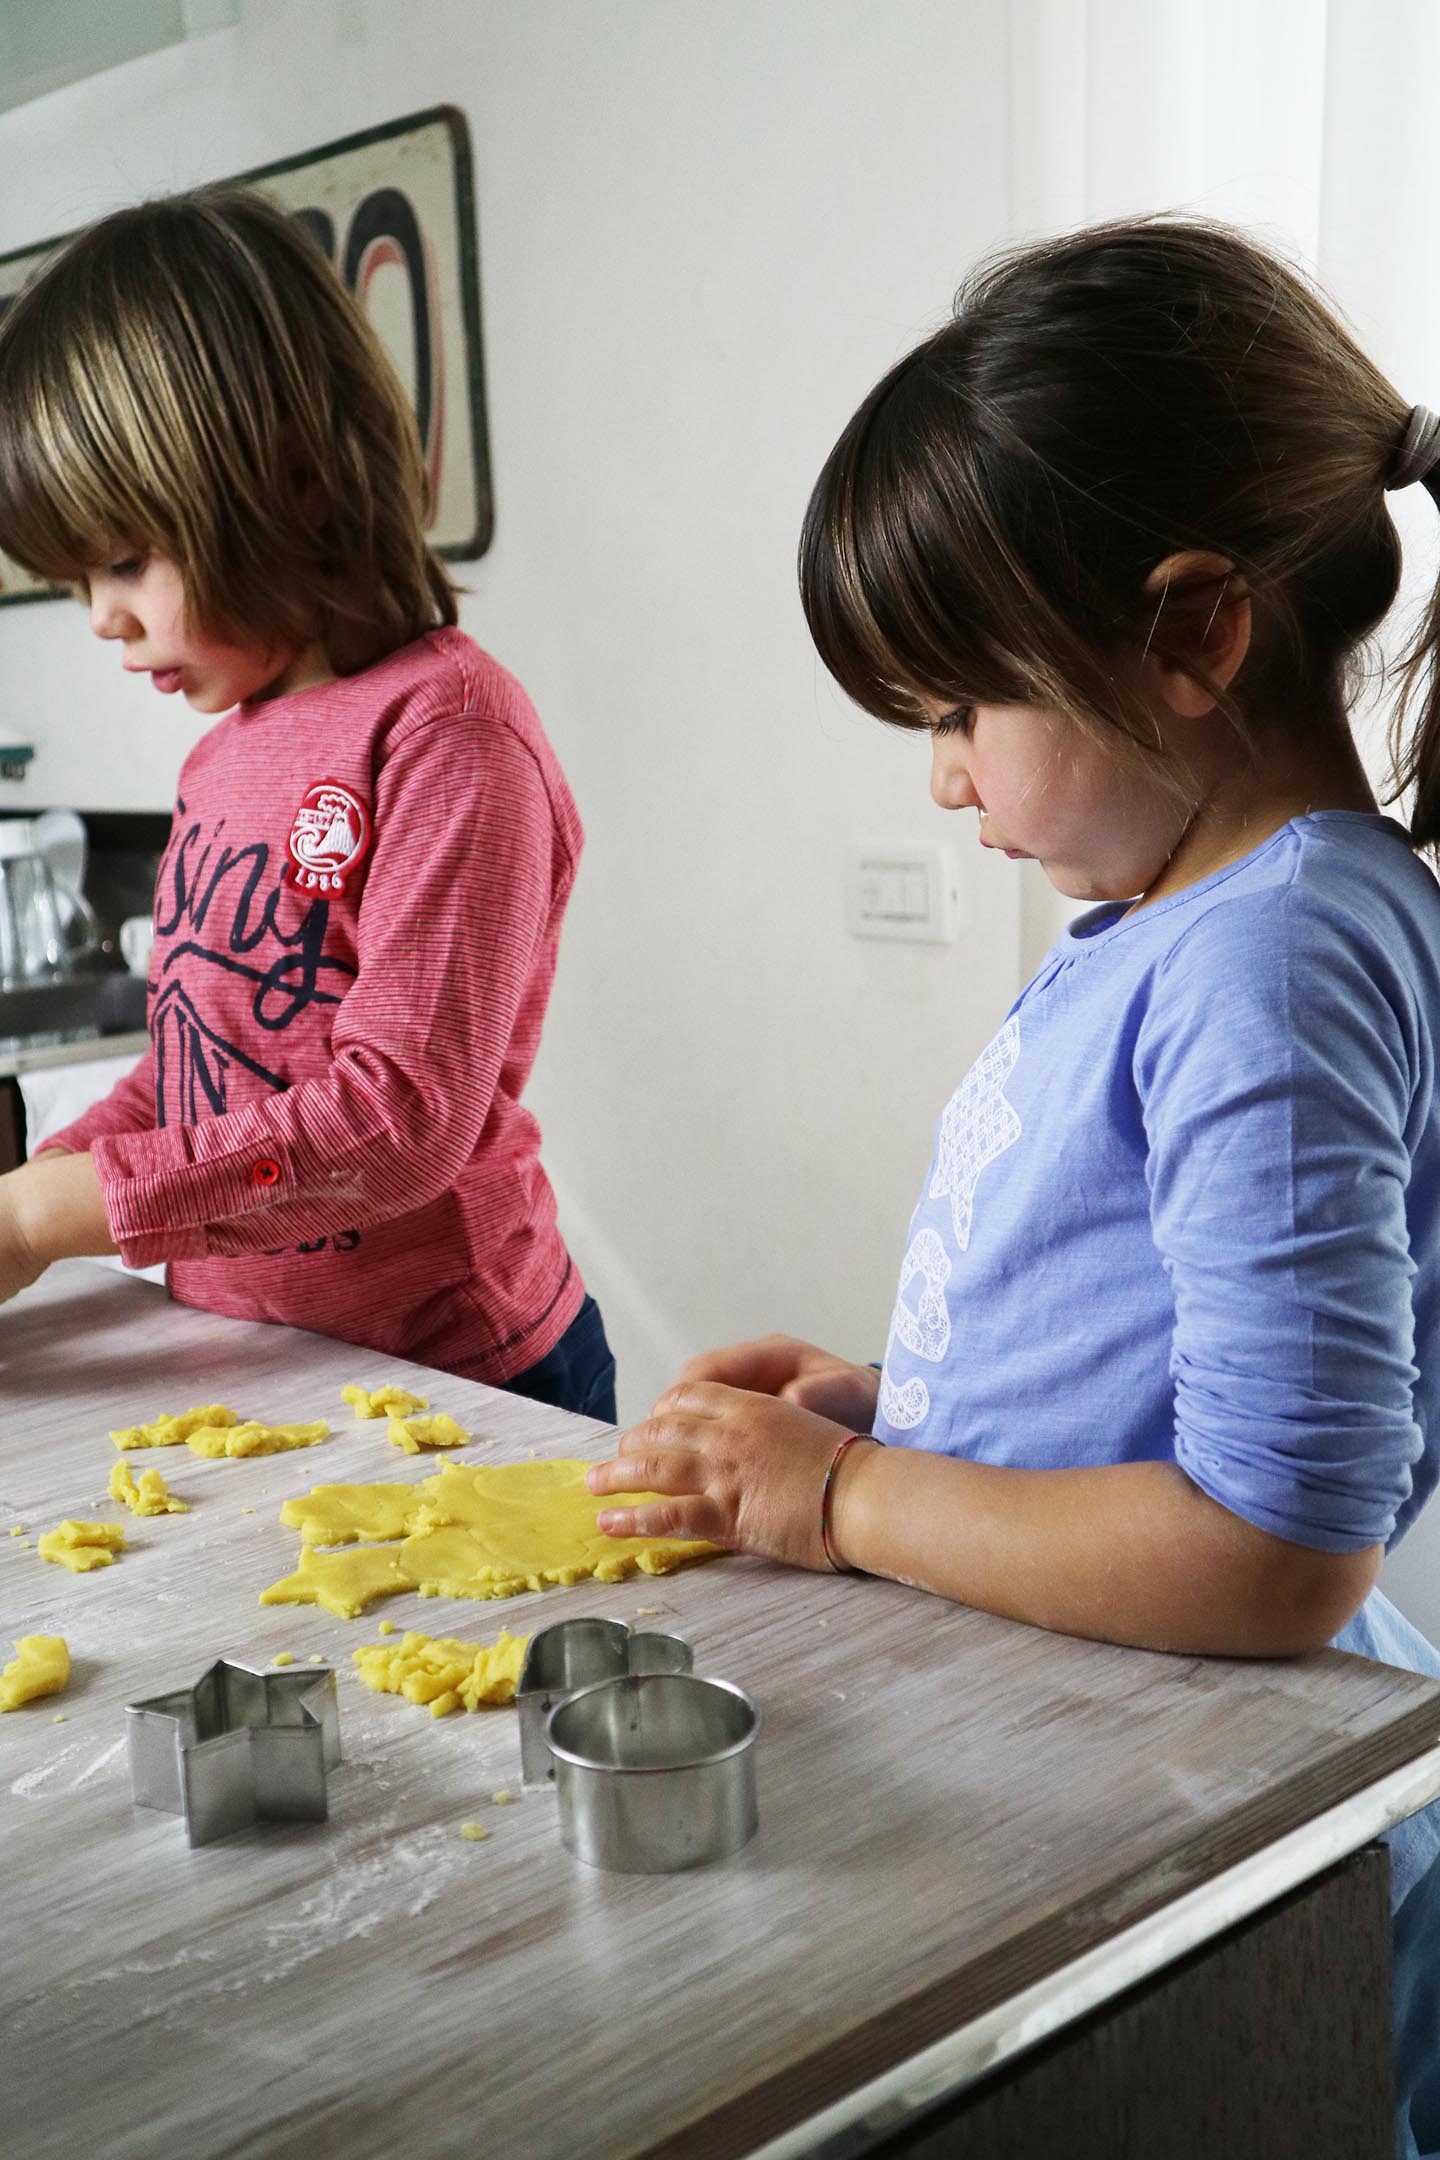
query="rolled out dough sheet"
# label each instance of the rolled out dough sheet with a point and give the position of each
(486, 1530)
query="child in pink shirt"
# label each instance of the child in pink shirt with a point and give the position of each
(357, 915)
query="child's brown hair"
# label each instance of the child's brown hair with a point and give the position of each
(983, 530)
(190, 375)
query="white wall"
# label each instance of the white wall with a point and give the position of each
(705, 230)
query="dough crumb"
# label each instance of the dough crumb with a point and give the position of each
(387, 1627)
(647, 1612)
(41, 1666)
(253, 1438)
(315, 1658)
(503, 1798)
(81, 1546)
(170, 1431)
(152, 1496)
(247, 1510)
(384, 1402)
(414, 1433)
(283, 1657)
(474, 1831)
(443, 1674)
(59, 1718)
(19, 1530)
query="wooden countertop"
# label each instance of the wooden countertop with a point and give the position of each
(959, 1818)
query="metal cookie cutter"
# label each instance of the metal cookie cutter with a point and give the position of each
(238, 1748)
(655, 1772)
(574, 1654)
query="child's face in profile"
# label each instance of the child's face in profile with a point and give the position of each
(1048, 792)
(139, 600)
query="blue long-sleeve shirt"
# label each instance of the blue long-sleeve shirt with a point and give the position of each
(1186, 1206)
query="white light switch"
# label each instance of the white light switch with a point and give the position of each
(899, 890)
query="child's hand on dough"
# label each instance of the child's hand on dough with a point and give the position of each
(742, 1469)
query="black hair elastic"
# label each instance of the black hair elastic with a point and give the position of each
(1419, 450)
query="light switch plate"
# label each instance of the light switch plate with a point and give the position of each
(898, 889)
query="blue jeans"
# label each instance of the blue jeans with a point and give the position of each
(578, 1374)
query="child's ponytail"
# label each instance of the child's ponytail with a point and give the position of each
(1415, 733)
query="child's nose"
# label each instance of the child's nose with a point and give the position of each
(109, 616)
(949, 781)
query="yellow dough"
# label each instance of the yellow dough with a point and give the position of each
(81, 1546)
(339, 1514)
(254, 1439)
(170, 1431)
(385, 1402)
(41, 1668)
(343, 1582)
(446, 1675)
(150, 1497)
(485, 1530)
(413, 1433)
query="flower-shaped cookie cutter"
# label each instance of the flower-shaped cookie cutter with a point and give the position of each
(237, 1748)
(574, 1654)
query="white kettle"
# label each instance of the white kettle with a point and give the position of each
(47, 927)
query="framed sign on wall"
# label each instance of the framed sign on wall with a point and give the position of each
(393, 209)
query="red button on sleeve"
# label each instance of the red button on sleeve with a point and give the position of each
(265, 1172)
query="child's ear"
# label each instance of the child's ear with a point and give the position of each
(1200, 633)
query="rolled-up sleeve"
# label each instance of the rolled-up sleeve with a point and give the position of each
(458, 894)
(1277, 1072)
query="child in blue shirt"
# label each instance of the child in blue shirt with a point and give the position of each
(1161, 1369)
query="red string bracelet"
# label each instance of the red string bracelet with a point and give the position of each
(848, 1442)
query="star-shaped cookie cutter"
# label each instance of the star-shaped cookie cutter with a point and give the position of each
(574, 1654)
(237, 1748)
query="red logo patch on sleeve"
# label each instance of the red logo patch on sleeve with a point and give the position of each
(329, 836)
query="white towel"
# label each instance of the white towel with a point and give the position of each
(55, 1095)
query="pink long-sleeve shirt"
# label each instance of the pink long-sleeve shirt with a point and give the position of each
(356, 925)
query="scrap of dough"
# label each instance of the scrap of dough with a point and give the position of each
(339, 1514)
(445, 1674)
(413, 1433)
(343, 1582)
(475, 1831)
(150, 1497)
(41, 1668)
(254, 1438)
(385, 1402)
(81, 1546)
(170, 1431)
(481, 1530)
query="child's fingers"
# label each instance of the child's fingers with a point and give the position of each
(654, 1468)
(689, 1515)
(701, 1399)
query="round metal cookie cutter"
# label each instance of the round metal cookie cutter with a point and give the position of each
(655, 1771)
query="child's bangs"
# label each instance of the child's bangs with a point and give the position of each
(902, 582)
(68, 499)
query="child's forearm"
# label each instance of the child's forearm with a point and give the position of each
(1131, 1553)
(57, 1207)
